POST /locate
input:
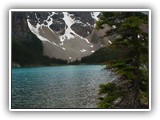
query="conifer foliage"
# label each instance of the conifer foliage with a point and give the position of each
(131, 88)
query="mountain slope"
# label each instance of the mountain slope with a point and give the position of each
(66, 35)
(61, 35)
(27, 49)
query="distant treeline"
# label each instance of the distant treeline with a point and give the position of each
(101, 56)
(104, 54)
(30, 53)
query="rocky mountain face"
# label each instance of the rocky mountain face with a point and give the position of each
(64, 35)
(20, 30)
(19, 26)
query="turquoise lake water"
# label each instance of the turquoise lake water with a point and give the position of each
(57, 87)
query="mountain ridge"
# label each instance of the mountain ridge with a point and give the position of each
(64, 35)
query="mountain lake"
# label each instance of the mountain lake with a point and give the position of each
(70, 86)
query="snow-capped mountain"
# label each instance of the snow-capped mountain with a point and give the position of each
(66, 35)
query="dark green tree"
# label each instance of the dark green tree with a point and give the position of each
(132, 29)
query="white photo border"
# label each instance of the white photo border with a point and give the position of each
(79, 10)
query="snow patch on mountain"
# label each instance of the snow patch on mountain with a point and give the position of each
(95, 15)
(35, 30)
(91, 46)
(83, 50)
(58, 46)
(49, 21)
(109, 41)
(113, 26)
(37, 18)
(68, 31)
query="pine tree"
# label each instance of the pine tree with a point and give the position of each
(132, 27)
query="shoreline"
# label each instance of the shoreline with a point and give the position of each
(30, 66)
